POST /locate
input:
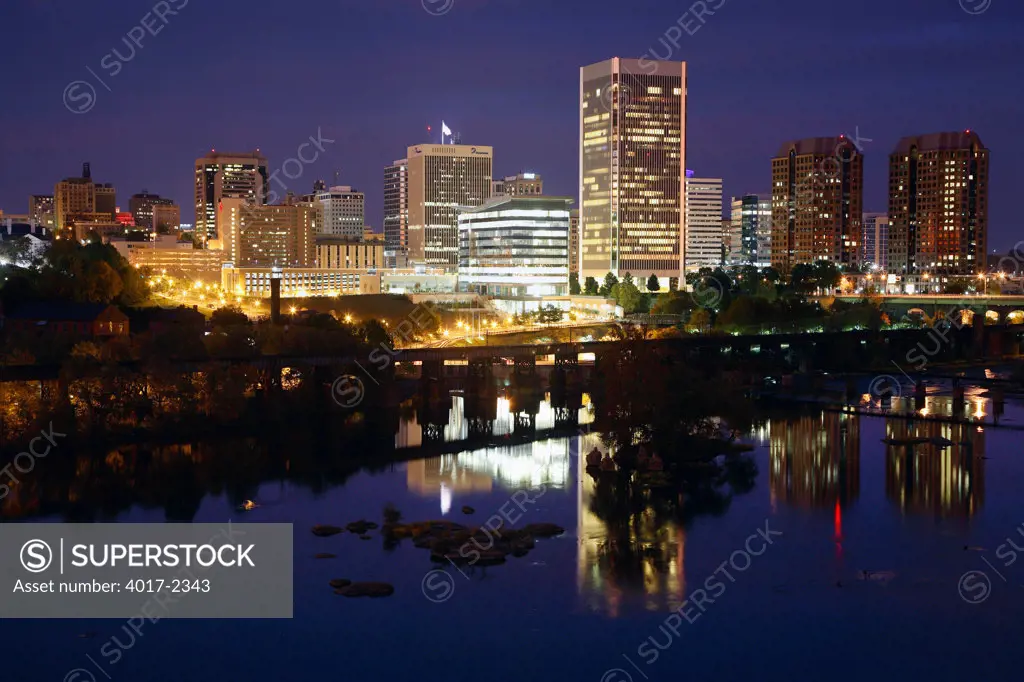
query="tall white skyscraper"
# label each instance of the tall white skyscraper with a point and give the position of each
(396, 208)
(704, 238)
(227, 176)
(442, 179)
(344, 212)
(632, 156)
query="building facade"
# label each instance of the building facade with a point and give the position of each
(938, 204)
(166, 218)
(817, 202)
(168, 256)
(574, 242)
(704, 238)
(523, 184)
(632, 155)
(298, 282)
(751, 219)
(876, 241)
(267, 236)
(442, 179)
(220, 176)
(141, 206)
(515, 247)
(338, 253)
(41, 210)
(343, 213)
(77, 197)
(396, 208)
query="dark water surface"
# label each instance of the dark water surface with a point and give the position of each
(592, 604)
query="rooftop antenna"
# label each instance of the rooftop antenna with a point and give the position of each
(336, 175)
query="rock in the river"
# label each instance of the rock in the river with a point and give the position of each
(366, 590)
(324, 555)
(468, 510)
(339, 583)
(543, 530)
(326, 531)
(365, 537)
(360, 527)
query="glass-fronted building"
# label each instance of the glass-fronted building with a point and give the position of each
(515, 247)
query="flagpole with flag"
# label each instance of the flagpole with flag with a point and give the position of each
(445, 130)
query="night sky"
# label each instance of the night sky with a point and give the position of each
(373, 74)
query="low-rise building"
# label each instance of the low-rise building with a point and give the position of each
(87, 320)
(166, 255)
(298, 282)
(340, 253)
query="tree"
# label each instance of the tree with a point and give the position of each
(590, 287)
(627, 296)
(228, 316)
(803, 279)
(700, 320)
(102, 283)
(628, 278)
(549, 314)
(574, 284)
(610, 281)
(826, 275)
(652, 283)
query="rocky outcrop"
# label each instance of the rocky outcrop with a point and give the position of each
(366, 590)
(326, 531)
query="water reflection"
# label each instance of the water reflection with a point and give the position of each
(815, 460)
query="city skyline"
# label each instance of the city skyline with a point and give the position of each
(528, 117)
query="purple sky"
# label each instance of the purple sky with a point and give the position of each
(373, 74)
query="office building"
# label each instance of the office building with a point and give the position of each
(732, 243)
(751, 218)
(220, 176)
(442, 179)
(876, 241)
(80, 196)
(817, 202)
(513, 247)
(632, 156)
(523, 184)
(141, 206)
(343, 212)
(704, 247)
(396, 207)
(267, 236)
(166, 218)
(574, 242)
(938, 204)
(339, 253)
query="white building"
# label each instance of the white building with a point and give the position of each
(703, 222)
(515, 247)
(221, 175)
(344, 212)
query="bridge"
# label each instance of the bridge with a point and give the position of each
(1001, 309)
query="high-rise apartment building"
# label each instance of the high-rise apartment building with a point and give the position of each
(632, 156)
(227, 176)
(41, 210)
(876, 241)
(343, 212)
(938, 204)
(703, 222)
(751, 219)
(817, 201)
(396, 207)
(442, 179)
(141, 207)
(267, 236)
(106, 200)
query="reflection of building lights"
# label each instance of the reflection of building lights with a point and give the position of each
(446, 500)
